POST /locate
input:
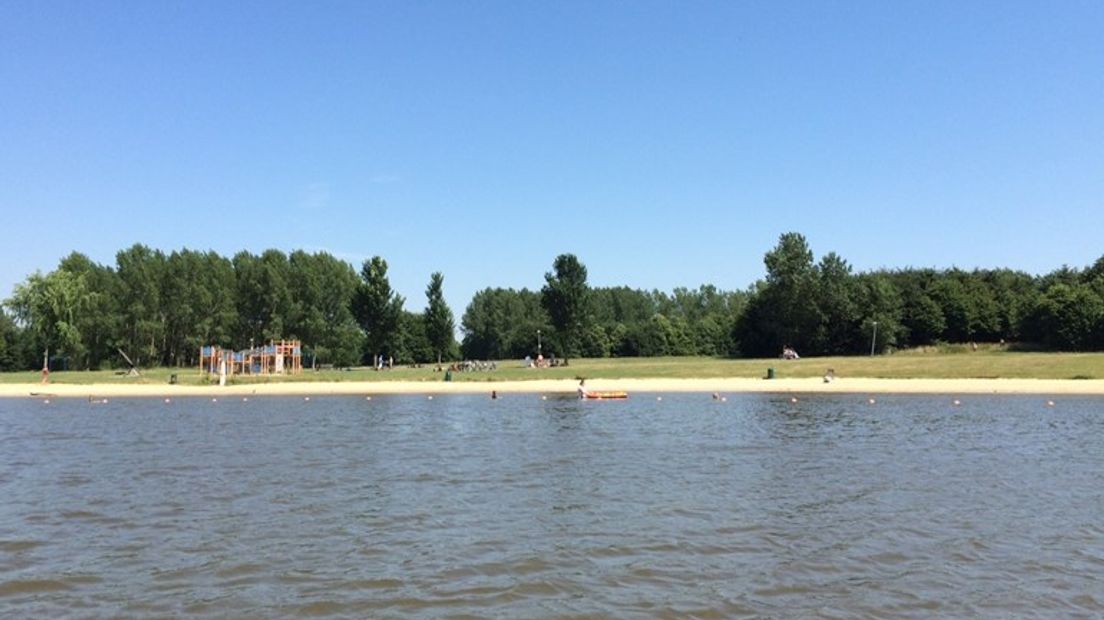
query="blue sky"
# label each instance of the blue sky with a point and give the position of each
(664, 143)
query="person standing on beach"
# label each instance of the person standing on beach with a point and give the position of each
(582, 388)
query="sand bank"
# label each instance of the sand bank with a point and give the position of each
(729, 386)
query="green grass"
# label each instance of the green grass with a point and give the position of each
(934, 363)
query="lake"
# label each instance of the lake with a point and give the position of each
(462, 506)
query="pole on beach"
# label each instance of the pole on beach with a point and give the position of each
(538, 343)
(873, 338)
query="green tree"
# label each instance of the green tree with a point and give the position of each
(652, 338)
(879, 301)
(985, 312)
(595, 342)
(1068, 317)
(98, 323)
(618, 336)
(710, 335)
(378, 309)
(784, 310)
(50, 306)
(322, 290)
(415, 344)
(263, 297)
(840, 316)
(439, 324)
(12, 350)
(953, 299)
(621, 304)
(502, 323)
(141, 275)
(199, 292)
(1015, 293)
(565, 299)
(922, 320)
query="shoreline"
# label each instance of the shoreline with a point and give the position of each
(1091, 387)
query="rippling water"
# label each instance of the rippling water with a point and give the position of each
(461, 506)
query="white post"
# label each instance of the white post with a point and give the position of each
(873, 338)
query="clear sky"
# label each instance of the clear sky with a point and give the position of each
(664, 143)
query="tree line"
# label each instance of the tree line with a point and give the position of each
(815, 307)
(160, 308)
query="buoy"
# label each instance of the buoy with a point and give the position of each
(544, 398)
(306, 398)
(957, 402)
(793, 399)
(1050, 403)
(245, 399)
(167, 400)
(47, 401)
(724, 399)
(214, 400)
(367, 398)
(659, 398)
(429, 397)
(871, 401)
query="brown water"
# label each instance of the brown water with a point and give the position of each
(460, 506)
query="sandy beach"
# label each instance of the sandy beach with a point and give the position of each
(723, 386)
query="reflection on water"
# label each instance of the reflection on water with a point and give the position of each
(522, 507)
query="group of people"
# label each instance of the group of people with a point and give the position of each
(541, 362)
(468, 366)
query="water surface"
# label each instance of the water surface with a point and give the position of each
(461, 506)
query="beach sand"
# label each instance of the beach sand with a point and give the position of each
(721, 386)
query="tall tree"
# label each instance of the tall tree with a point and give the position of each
(439, 324)
(322, 290)
(98, 324)
(784, 311)
(836, 298)
(263, 296)
(378, 309)
(199, 293)
(141, 275)
(565, 298)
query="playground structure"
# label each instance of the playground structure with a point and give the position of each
(278, 357)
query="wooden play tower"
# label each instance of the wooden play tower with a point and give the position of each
(278, 357)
